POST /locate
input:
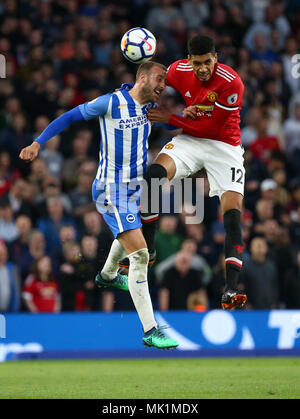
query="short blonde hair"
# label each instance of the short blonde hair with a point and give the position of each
(147, 67)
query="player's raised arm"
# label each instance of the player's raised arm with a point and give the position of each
(83, 112)
(229, 101)
(55, 127)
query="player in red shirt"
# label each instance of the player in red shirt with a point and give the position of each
(211, 139)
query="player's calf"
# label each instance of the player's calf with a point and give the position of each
(138, 287)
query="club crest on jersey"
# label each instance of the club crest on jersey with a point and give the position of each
(130, 218)
(212, 96)
(169, 146)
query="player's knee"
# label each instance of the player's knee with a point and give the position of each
(140, 258)
(156, 171)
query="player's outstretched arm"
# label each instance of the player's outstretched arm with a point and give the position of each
(84, 112)
(55, 127)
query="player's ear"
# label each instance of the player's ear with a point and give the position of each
(142, 77)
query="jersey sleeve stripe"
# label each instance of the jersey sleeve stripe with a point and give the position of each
(133, 157)
(115, 111)
(228, 108)
(229, 75)
(145, 147)
(130, 101)
(224, 77)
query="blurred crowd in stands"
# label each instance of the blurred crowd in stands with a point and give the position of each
(60, 53)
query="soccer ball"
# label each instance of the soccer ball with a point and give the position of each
(138, 45)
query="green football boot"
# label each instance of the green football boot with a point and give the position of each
(120, 282)
(157, 339)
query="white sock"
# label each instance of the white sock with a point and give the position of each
(116, 253)
(138, 288)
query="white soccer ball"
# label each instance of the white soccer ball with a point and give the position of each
(138, 45)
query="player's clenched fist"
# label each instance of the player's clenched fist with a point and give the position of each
(190, 112)
(159, 115)
(30, 153)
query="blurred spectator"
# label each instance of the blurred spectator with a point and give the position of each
(259, 276)
(21, 197)
(51, 224)
(218, 237)
(8, 229)
(294, 229)
(67, 234)
(40, 291)
(15, 195)
(195, 12)
(21, 244)
(160, 17)
(34, 251)
(291, 129)
(256, 172)
(292, 285)
(9, 282)
(79, 155)
(216, 286)
(69, 277)
(264, 210)
(89, 251)
(167, 241)
(104, 46)
(266, 18)
(261, 52)
(268, 190)
(38, 172)
(290, 50)
(94, 225)
(281, 193)
(264, 143)
(52, 157)
(51, 187)
(181, 287)
(198, 263)
(81, 196)
(16, 135)
(7, 173)
(249, 132)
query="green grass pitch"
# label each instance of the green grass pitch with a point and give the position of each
(204, 378)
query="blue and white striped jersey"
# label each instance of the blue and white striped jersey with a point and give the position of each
(124, 131)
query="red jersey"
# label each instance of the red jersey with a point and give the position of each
(42, 294)
(218, 101)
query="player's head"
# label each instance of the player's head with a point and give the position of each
(202, 56)
(150, 81)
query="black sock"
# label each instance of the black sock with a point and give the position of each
(233, 247)
(150, 219)
(149, 230)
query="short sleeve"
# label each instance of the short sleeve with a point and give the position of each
(96, 107)
(172, 80)
(232, 95)
(29, 288)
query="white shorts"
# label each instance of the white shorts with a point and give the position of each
(224, 163)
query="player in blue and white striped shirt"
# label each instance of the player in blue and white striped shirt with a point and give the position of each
(124, 131)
